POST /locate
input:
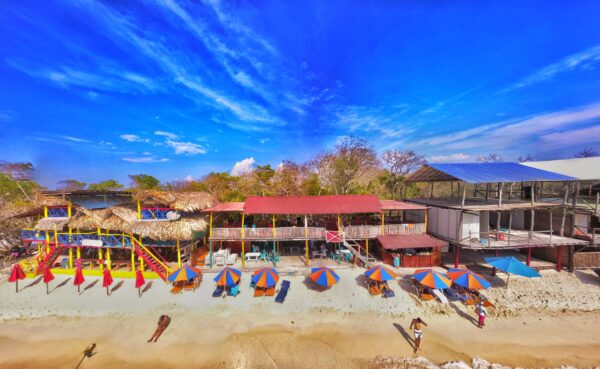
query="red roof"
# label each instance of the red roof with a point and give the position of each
(333, 204)
(414, 241)
(226, 207)
(400, 205)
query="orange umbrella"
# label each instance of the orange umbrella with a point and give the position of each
(324, 276)
(107, 280)
(139, 281)
(48, 276)
(265, 277)
(16, 273)
(79, 279)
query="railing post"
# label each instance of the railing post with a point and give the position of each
(139, 210)
(383, 223)
(306, 238)
(178, 254)
(108, 260)
(243, 251)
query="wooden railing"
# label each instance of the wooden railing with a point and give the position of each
(372, 231)
(281, 233)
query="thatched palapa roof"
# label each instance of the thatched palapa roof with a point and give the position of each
(181, 229)
(44, 200)
(51, 224)
(187, 202)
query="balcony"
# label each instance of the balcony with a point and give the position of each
(266, 234)
(158, 214)
(58, 212)
(372, 231)
(516, 239)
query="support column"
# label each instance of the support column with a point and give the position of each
(367, 248)
(139, 210)
(306, 238)
(108, 260)
(275, 253)
(243, 245)
(456, 255)
(528, 256)
(132, 259)
(70, 258)
(558, 258)
(141, 260)
(69, 209)
(178, 254)
(210, 241)
(78, 253)
(427, 219)
(383, 223)
(499, 194)
(339, 224)
(100, 261)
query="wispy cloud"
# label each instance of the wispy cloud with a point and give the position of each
(243, 166)
(585, 59)
(133, 138)
(146, 159)
(451, 158)
(574, 137)
(169, 135)
(188, 148)
(76, 139)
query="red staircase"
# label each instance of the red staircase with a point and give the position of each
(49, 258)
(155, 263)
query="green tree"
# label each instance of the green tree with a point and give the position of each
(143, 181)
(263, 175)
(71, 185)
(108, 185)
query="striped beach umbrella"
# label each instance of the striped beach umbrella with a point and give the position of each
(265, 277)
(324, 276)
(431, 278)
(228, 277)
(380, 274)
(184, 273)
(468, 279)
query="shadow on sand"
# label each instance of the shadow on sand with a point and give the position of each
(405, 335)
(587, 278)
(91, 285)
(61, 284)
(313, 286)
(116, 287)
(147, 287)
(33, 283)
(464, 315)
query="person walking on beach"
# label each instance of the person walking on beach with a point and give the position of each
(163, 323)
(416, 326)
(481, 312)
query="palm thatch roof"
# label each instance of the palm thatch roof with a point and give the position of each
(44, 200)
(181, 229)
(187, 202)
(90, 219)
(51, 224)
(125, 213)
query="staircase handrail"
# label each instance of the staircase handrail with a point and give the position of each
(138, 244)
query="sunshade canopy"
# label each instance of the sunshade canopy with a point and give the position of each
(228, 277)
(380, 274)
(184, 273)
(431, 278)
(484, 173)
(468, 279)
(324, 276)
(265, 277)
(512, 265)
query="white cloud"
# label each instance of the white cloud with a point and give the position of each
(582, 60)
(452, 158)
(188, 178)
(243, 166)
(574, 137)
(168, 135)
(146, 159)
(263, 140)
(133, 138)
(76, 139)
(186, 147)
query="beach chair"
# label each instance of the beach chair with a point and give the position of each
(259, 292)
(177, 288)
(285, 286)
(233, 291)
(270, 291)
(440, 296)
(374, 290)
(452, 295)
(387, 292)
(218, 292)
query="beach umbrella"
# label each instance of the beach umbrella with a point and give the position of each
(79, 279)
(431, 278)
(16, 273)
(468, 279)
(380, 274)
(139, 281)
(228, 277)
(324, 276)
(265, 277)
(184, 273)
(512, 265)
(48, 276)
(107, 279)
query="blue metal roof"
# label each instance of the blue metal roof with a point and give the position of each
(497, 172)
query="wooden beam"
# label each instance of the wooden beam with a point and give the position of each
(531, 225)
(532, 193)
(499, 194)
(509, 225)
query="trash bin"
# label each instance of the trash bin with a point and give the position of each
(396, 261)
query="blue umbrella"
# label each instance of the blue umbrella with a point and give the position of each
(228, 277)
(510, 264)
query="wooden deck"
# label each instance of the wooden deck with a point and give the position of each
(520, 239)
(474, 260)
(479, 204)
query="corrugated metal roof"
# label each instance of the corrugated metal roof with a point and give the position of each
(484, 173)
(333, 204)
(226, 207)
(413, 241)
(400, 205)
(580, 168)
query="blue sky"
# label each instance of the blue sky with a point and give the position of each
(97, 90)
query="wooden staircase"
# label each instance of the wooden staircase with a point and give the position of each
(157, 264)
(356, 249)
(49, 258)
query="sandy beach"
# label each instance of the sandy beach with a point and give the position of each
(547, 322)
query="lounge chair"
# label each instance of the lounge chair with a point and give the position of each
(452, 295)
(285, 286)
(259, 292)
(440, 296)
(387, 292)
(270, 291)
(233, 291)
(218, 292)
(374, 290)
(177, 288)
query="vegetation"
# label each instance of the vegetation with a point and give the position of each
(108, 185)
(143, 181)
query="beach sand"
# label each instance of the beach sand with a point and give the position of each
(340, 328)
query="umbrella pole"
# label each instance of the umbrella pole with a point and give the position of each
(507, 280)
(47, 291)
(140, 291)
(78, 288)
(17, 286)
(107, 294)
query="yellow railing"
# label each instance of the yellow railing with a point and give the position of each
(151, 254)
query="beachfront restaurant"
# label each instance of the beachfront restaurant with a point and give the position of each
(498, 208)
(153, 232)
(306, 230)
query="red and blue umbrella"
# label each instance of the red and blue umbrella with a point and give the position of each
(265, 277)
(380, 274)
(184, 274)
(324, 276)
(468, 279)
(431, 278)
(228, 277)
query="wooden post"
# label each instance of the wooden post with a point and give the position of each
(499, 194)
(100, 261)
(139, 210)
(306, 239)
(141, 260)
(427, 219)
(551, 225)
(456, 255)
(531, 224)
(132, 259)
(528, 256)
(178, 253)
(509, 225)
(532, 193)
(45, 212)
(210, 241)
(541, 193)
(431, 190)
(108, 260)
(243, 246)
(275, 252)
(487, 191)
(78, 252)
(70, 258)
(510, 190)
(367, 249)
(69, 209)
(382, 223)
(498, 215)
(339, 224)
(558, 258)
